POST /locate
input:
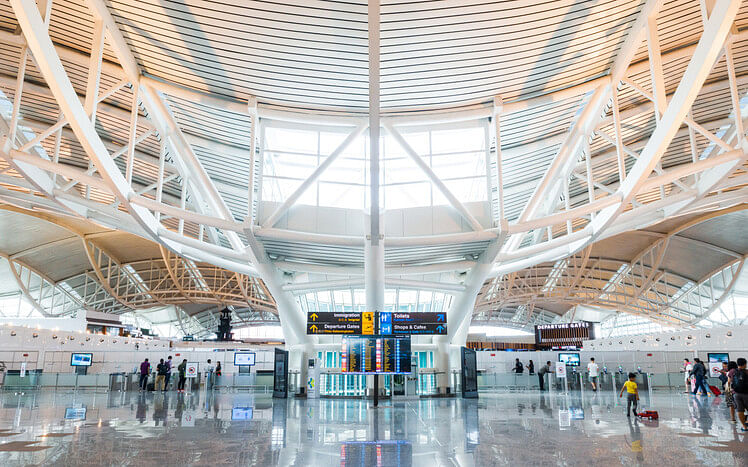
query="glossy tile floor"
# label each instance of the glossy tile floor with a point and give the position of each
(508, 428)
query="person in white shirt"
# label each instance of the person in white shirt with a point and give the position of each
(593, 372)
(687, 368)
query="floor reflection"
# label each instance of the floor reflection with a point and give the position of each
(510, 428)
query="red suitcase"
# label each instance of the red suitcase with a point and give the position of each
(650, 414)
(715, 390)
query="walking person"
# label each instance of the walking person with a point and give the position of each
(145, 370)
(687, 368)
(739, 385)
(732, 368)
(541, 374)
(209, 375)
(593, 372)
(531, 367)
(723, 375)
(182, 370)
(168, 373)
(161, 370)
(632, 391)
(699, 372)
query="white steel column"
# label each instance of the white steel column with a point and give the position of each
(374, 249)
(460, 312)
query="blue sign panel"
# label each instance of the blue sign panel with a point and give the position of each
(385, 322)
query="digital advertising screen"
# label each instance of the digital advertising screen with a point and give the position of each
(715, 363)
(242, 413)
(244, 358)
(81, 359)
(375, 355)
(75, 413)
(570, 359)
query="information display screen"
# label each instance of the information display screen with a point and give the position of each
(571, 359)
(244, 358)
(81, 359)
(715, 363)
(242, 413)
(375, 355)
(75, 413)
(390, 452)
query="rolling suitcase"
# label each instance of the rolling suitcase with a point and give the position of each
(650, 414)
(151, 386)
(715, 390)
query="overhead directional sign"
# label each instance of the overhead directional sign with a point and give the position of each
(376, 323)
(334, 323)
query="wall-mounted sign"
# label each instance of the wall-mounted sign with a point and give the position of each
(376, 323)
(563, 334)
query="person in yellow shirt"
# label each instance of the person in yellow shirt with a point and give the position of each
(632, 391)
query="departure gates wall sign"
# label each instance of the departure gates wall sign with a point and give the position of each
(376, 323)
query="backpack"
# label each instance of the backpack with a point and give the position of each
(740, 382)
(162, 369)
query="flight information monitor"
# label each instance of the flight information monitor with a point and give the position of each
(81, 359)
(375, 355)
(571, 359)
(244, 358)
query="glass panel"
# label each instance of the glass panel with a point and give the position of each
(460, 165)
(343, 300)
(456, 140)
(407, 196)
(424, 301)
(341, 195)
(284, 139)
(324, 300)
(390, 299)
(359, 299)
(408, 300)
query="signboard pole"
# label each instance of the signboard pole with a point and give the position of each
(376, 390)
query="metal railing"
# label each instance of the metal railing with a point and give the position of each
(575, 381)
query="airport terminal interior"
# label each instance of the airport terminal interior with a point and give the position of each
(373, 233)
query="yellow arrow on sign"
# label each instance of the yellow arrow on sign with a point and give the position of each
(313, 328)
(314, 316)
